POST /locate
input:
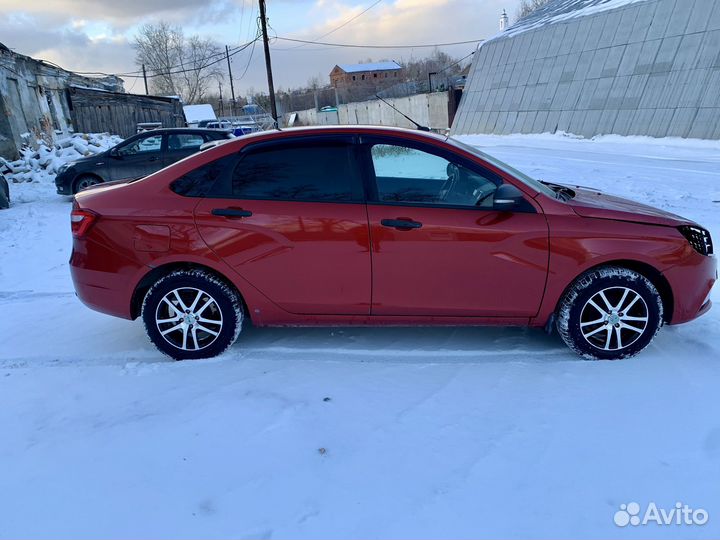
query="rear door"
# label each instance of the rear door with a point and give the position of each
(439, 247)
(290, 218)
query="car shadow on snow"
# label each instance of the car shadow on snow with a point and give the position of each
(403, 344)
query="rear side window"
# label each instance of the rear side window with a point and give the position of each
(184, 141)
(301, 172)
(199, 182)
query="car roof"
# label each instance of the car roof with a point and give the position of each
(355, 129)
(180, 130)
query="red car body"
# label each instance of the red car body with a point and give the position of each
(324, 263)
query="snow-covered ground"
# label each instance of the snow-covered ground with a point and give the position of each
(327, 433)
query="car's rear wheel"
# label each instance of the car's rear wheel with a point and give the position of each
(85, 181)
(191, 314)
(610, 313)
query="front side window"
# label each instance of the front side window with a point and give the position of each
(143, 145)
(408, 175)
(307, 172)
(184, 141)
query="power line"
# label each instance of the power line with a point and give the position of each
(352, 45)
(363, 12)
(456, 62)
(138, 73)
(218, 60)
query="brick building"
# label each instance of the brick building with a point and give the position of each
(347, 76)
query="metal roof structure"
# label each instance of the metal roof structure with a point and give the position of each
(370, 66)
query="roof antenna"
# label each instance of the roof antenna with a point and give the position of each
(418, 126)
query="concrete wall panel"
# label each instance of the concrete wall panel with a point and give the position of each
(651, 67)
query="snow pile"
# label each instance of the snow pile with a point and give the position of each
(43, 163)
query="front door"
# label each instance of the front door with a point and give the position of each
(438, 246)
(290, 218)
(137, 158)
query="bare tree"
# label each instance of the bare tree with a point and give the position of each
(186, 67)
(528, 7)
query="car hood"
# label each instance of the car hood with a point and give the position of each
(93, 159)
(592, 203)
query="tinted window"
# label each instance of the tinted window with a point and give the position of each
(199, 182)
(150, 143)
(320, 172)
(408, 175)
(184, 141)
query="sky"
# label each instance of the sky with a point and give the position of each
(97, 35)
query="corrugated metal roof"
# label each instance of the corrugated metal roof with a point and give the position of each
(370, 66)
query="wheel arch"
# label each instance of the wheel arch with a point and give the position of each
(151, 277)
(73, 184)
(644, 269)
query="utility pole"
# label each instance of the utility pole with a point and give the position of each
(268, 65)
(232, 87)
(222, 105)
(145, 79)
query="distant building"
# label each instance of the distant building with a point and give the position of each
(40, 100)
(347, 76)
(504, 21)
(593, 67)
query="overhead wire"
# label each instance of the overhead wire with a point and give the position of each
(358, 46)
(363, 12)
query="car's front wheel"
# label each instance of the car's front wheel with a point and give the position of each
(610, 313)
(191, 314)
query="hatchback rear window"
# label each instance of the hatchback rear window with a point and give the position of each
(313, 172)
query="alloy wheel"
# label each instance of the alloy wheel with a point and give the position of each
(614, 318)
(189, 318)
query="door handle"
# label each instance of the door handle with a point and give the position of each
(401, 224)
(153, 158)
(231, 212)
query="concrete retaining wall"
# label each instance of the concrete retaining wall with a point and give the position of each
(648, 68)
(427, 109)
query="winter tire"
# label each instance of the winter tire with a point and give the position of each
(610, 313)
(191, 314)
(84, 182)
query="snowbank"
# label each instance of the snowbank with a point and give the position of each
(42, 164)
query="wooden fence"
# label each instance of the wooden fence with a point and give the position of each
(96, 111)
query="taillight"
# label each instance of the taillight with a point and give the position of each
(81, 221)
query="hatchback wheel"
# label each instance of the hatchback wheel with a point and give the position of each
(610, 313)
(85, 182)
(191, 314)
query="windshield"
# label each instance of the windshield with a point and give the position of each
(524, 178)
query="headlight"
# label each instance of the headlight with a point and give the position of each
(65, 166)
(699, 239)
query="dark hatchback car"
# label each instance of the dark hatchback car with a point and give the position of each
(138, 156)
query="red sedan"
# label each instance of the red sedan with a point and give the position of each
(379, 226)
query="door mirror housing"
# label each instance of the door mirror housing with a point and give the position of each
(115, 153)
(508, 198)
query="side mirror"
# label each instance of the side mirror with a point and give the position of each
(114, 153)
(508, 197)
